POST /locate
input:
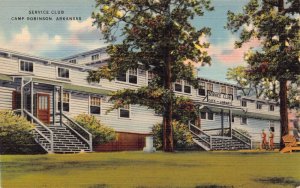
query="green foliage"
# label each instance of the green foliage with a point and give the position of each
(182, 136)
(101, 133)
(157, 37)
(16, 134)
(276, 26)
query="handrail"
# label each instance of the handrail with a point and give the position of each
(44, 126)
(248, 139)
(89, 141)
(203, 133)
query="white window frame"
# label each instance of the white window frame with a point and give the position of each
(245, 103)
(95, 55)
(58, 100)
(179, 82)
(272, 124)
(230, 88)
(127, 78)
(129, 109)
(90, 105)
(33, 66)
(242, 121)
(57, 75)
(259, 106)
(223, 87)
(74, 61)
(205, 115)
(204, 85)
(212, 116)
(128, 74)
(207, 84)
(185, 83)
(273, 108)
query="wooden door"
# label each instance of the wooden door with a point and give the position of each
(43, 107)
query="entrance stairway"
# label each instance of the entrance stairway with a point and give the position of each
(65, 137)
(235, 141)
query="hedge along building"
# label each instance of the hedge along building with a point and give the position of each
(51, 92)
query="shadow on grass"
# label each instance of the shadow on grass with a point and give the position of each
(213, 186)
(98, 186)
(279, 180)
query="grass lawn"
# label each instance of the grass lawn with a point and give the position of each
(143, 170)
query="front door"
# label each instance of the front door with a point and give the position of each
(43, 107)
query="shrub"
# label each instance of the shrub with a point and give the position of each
(181, 136)
(16, 135)
(101, 133)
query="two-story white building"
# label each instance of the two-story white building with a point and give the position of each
(50, 92)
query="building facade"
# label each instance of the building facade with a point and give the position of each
(52, 92)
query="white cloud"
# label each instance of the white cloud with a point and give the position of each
(81, 27)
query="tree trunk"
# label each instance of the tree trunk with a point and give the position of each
(283, 111)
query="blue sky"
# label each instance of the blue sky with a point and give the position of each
(57, 39)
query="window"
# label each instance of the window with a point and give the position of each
(66, 102)
(73, 61)
(130, 76)
(26, 66)
(203, 115)
(244, 103)
(124, 112)
(133, 76)
(258, 106)
(243, 121)
(201, 90)
(187, 87)
(232, 118)
(230, 90)
(210, 116)
(95, 106)
(178, 86)
(223, 89)
(121, 77)
(210, 86)
(272, 107)
(63, 72)
(272, 126)
(95, 57)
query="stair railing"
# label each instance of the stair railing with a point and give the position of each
(206, 138)
(79, 131)
(242, 137)
(37, 121)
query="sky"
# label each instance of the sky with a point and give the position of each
(58, 39)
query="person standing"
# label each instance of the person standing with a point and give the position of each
(271, 141)
(263, 144)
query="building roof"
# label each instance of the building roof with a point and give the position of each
(218, 82)
(98, 50)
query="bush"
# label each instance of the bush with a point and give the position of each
(16, 135)
(101, 133)
(181, 136)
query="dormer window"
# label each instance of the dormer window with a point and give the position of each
(74, 61)
(230, 90)
(201, 90)
(259, 106)
(244, 103)
(95, 57)
(26, 66)
(210, 86)
(63, 72)
(223, 89)
(130, 76)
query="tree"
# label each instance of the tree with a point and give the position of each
(157, 37)
(266, 88)
(275, 23)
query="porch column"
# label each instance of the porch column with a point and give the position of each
(61, 103)
(230, 120)
(54, 104)
(222, 122)
(31, 101)
(22, 96)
